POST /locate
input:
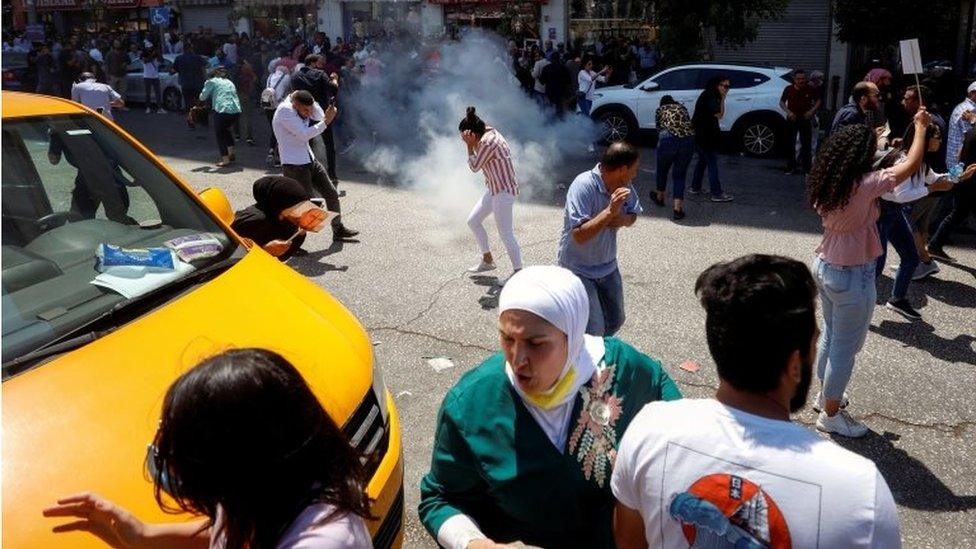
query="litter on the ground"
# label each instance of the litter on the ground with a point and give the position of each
(690, 366)
(440, 363)
(403, 393)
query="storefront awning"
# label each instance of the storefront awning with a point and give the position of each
(262, 3)
(58, 5)
(452, 2)
(203, 2)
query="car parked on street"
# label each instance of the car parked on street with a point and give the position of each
(752, 112)
(135, 91)
(87, 359)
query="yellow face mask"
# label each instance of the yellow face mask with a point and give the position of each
(555, 395)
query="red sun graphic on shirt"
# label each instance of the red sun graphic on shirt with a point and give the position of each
(724, 510)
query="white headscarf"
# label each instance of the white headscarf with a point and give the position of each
(558, 296)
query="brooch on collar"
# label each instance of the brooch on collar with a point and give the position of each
(594, 440)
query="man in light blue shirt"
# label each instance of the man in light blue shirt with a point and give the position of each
(599, 202)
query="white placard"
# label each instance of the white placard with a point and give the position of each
(911, 57)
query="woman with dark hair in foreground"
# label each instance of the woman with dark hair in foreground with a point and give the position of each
(243, 442)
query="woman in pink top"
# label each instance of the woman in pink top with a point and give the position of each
(844, 191)
(245, 444)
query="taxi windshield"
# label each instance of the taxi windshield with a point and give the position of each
(70, 185)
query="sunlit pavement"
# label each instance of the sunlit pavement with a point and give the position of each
(914, 383)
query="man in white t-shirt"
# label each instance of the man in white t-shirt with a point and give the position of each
(96, 95)
(734, 471)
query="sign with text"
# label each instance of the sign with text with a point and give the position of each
(911, 57)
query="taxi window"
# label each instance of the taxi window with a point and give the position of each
(69, 184)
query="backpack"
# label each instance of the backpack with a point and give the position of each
(269, 97)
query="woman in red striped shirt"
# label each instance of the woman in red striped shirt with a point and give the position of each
(488, 152)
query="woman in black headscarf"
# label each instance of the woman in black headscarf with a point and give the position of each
(283, 212)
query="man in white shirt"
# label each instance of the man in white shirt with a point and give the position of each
(95, 95)
(298, 119)
(734, 471)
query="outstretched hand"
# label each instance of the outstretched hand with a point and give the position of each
(99, 516)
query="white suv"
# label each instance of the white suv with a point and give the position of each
(752, 111)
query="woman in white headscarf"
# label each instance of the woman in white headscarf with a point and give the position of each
(526, 441)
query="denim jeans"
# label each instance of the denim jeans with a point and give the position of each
(709, 157)
(584, 104)
(893, 227)
(847, 296)
(606, 304)
(676, 153)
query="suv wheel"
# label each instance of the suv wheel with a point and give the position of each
(616, 125)
(759, 136)
(172, 100)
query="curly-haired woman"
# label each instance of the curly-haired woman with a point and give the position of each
(844, 190)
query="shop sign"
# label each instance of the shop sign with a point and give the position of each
(58, 4)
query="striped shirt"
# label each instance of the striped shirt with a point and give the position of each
(493, 158)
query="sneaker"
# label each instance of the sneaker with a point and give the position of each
(694, 191)
(841, 424)
(343, 233)
(481, 267)
(148, 110)
(938, 253)
(721, 198)
(250, 141)
(904, 308)
(818, 402)
(925, 269)
(161, 111)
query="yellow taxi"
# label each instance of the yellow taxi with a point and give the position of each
(86, 361)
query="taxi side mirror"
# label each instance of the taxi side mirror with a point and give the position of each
(216, 201)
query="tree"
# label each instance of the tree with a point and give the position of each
(734, 22)
(879, 24)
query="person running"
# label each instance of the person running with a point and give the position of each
(893, 224)
(844, 191)
(246, 447)
(488, 153)
(227, 109)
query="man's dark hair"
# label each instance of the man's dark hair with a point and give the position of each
(861, 89)
(311, 59)
(799, 71)
(921, 91)
(759, 309)
(304, 97)
(619, 155)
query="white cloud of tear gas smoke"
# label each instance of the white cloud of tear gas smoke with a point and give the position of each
(406, 123)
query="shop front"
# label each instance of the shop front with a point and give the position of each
(271, 18)
(519, 20)
(95, 15)
(592, 22)
(362, 20)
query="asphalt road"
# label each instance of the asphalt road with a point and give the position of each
(913, 383)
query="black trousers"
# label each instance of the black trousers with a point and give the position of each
(273, 145)
(328, 139)
(222, 125)
(963, 204)
(803, 127)
(152, 84)
(191, 95)
(314, 178)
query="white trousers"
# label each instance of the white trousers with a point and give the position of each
(501, 206)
